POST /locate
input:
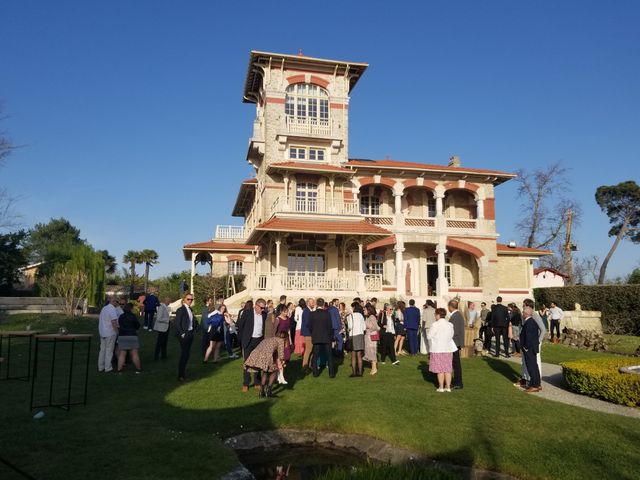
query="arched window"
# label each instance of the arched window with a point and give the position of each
(234, 267)
(307, 103)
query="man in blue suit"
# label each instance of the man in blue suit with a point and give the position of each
(337, 325)
(411, 325)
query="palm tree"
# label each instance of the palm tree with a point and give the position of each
(149, 258)
(132, 258)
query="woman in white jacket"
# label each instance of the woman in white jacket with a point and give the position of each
(441, 348)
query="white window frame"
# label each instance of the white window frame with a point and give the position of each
(370, 205)
(234, 267)
(306, 197)
(373, 264)
(311, 154)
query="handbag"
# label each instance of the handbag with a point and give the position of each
(348, 345)
(375, 336)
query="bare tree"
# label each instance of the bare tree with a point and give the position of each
(585, 270)
(543, 193)
(68, 283)
(8, 218)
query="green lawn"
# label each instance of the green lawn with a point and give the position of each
(149, 426)
(626, 344)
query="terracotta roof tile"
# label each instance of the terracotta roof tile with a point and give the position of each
(558, 273)
(501, 247)
(322, 226)
(357, 162)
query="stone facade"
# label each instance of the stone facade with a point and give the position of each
(322, 223)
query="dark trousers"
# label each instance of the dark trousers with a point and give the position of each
(246, 351)
(412, 336)
(532, 368)
(555, 324)
(185, 351)
(322, 350)
(457, 369)
(228, 340)
(148, 319)
(161, 345)
(204, 342)
(488, 335)
(504, 333)
(386, 347)
(516, 345)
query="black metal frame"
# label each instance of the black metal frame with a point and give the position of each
(7, 360)
(55, 339)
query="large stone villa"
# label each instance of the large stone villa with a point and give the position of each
(319, 223)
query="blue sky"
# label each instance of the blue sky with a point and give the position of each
(133, 125)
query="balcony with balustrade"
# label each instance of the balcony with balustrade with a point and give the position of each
(308, 126)
(314, 206)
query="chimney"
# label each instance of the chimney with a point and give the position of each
(454, 161)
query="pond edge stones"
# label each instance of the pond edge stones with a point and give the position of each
(371, 447)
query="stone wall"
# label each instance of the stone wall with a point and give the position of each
(579, 319)
(31, 305)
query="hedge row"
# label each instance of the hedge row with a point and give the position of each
(619, 304)
(601, 378)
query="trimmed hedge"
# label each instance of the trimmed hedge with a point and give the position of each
(619, 304)
(601, 378)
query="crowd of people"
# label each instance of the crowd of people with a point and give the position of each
(323, 332)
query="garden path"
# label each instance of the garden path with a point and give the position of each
(554, 388)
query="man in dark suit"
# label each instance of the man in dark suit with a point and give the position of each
(321, 328)
(457, 320)
(411, 325)
(500, 324)
(186, 325)
(250, 333)
(530, 343)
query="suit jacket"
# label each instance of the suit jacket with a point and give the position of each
(529, 336)
(499, 316)
(245, 326)
(182, 321)
(412, 318)
(321, 326)
(458, 328)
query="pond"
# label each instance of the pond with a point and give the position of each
(303, 462)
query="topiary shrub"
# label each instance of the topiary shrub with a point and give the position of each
(601, 378)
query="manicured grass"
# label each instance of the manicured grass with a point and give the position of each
(562, 353)
(149, 426)
(626, 344)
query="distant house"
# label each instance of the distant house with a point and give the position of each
(28, 276)
(548, 277)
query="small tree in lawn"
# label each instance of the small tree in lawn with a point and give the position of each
(66, 282)
(149, 258)
(622, 204)
(132, 257)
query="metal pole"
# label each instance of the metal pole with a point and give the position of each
(33, 377)
(86, 378)
(73, 344)
(568, 264)
(53, 363)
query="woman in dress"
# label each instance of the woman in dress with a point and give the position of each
(371, 338)
(399, 328)
(262, 359)
(128, 326)
(356, 326)
(442, 347)
(297, 316)
(283, 325)
(215, 331)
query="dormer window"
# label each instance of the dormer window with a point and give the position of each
(307, 103)
(306, 153)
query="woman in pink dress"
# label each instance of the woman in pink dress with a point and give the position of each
(297, 316)
(441, 348)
